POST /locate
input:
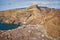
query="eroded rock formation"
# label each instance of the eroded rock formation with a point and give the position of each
(48, 17)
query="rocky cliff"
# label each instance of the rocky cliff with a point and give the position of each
(48, 17)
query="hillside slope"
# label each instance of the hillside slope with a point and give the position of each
(48, 17)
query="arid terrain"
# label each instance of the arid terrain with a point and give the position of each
(36, 23)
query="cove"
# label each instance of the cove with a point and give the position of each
(5, 26)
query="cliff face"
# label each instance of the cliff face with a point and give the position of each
(48, 17)
(25, 33)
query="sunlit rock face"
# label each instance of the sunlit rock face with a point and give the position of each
(48, 17)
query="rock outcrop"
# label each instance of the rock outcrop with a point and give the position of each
(25, 33)
(48, 17)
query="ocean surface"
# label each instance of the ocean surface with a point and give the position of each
(5, 26)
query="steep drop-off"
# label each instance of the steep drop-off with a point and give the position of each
(48, 17)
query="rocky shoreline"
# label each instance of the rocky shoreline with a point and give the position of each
(48, 17)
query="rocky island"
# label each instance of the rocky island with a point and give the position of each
(34, 23)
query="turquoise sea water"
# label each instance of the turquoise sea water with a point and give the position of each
(5, 26)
